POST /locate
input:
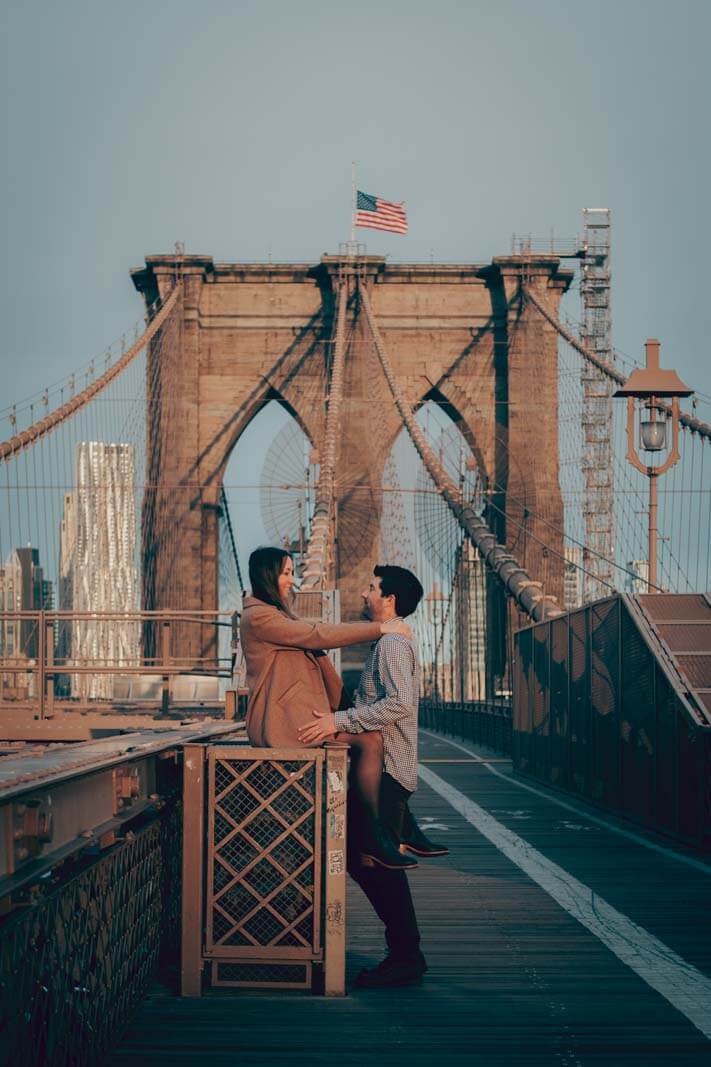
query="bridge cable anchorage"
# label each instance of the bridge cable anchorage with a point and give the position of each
(315, 570)
(689, 422)
(525, 591)
(21, 441)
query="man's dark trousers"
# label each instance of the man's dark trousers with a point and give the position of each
(388, 891)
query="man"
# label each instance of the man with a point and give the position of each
(386, 700)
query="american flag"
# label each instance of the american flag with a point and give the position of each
(379, 214)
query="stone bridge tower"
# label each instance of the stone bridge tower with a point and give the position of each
(250, 333)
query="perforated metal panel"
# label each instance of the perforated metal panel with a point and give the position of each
(626, 701)
(673, 607)
(579, 690)
(523, 680)
(604, 711)
(540, 752)
(697, 668)
(559, 705)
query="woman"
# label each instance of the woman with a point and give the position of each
(289, 677)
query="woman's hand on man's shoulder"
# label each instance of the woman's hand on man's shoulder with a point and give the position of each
(396, 626)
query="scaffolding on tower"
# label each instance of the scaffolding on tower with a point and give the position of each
(596, 335)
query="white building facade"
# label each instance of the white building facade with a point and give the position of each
(97, 566)
(637, 577)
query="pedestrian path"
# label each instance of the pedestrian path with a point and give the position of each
(553, 936)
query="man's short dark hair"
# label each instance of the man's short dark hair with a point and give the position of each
(403, 585)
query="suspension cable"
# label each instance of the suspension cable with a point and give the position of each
(690, 422)
(228, 520)
(14, 445)
(526, 592)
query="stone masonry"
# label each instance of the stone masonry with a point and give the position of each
(249, 333)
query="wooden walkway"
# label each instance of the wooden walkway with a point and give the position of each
(514, 977)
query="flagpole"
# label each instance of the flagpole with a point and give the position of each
(353, 201)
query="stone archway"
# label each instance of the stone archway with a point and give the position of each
(249, 331)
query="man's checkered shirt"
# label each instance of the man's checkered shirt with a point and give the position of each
(386, 699)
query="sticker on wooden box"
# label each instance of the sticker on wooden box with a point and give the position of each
(335, 861)
(336, 825)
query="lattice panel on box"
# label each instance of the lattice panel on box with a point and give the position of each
(264, 853)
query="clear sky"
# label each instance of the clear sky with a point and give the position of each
(232, 125)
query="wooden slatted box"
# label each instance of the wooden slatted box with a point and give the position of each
(264, 868)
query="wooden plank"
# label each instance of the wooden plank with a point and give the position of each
(193, 844)
(335, 873)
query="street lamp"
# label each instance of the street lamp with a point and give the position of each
(649, 384)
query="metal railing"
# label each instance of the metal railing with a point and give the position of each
(550, 244)
(601, 712)
(89, 660)
(89, 888)
(78, 958)
(486, 722)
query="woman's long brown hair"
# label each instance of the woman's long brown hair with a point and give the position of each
(265, 566)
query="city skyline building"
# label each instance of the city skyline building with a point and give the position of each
(23, 587)
(573, 578)
(97, 566)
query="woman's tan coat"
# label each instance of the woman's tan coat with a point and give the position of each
(286, 678)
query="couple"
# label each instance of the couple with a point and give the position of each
(294, 700)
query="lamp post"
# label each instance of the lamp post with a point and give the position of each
(649, 385)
